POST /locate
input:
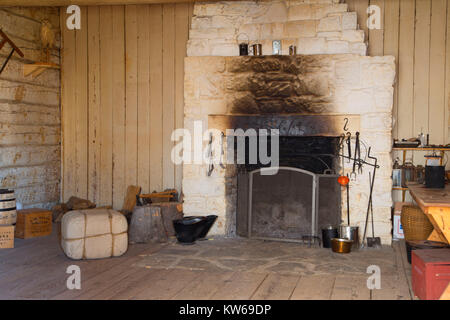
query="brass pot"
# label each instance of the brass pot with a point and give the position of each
(340, 245)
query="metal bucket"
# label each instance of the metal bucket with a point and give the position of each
(328, 233)
(350, 233)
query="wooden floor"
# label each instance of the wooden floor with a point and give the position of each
(36, 269)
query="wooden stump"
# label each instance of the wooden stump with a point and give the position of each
(170, 211)
(147, 225)
(154, 222)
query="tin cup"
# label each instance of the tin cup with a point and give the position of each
(292, 50)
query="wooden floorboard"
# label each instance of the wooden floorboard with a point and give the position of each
(167, 285)
(125, 287)
(276, 287)
(97, 284)
(53, 280)
(391, 289)
(206, 285)
(13, 268)
(314, 288)
(241, 286)
(350, 288)
(96, 281)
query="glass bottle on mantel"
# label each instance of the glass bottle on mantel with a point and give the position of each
(397, 174)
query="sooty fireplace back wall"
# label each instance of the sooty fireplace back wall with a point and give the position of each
(315, 154)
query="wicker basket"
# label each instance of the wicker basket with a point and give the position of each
(415, 223)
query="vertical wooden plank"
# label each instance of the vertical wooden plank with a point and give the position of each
(94, 103)
(68, 112)
(447, 77)
(391, 37)
(168, 93)
(106, 94)
(181, 38)
(405, 118)
(156, 98)
(436, 121)
(131, 94)
(81, 109)
(118, 114)
(351, 5)
(143, 90)
(376, 36)
(190, 13)
(421, 66)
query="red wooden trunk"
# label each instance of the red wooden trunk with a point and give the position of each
(430, 272)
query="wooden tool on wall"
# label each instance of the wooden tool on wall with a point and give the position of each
(5, 40)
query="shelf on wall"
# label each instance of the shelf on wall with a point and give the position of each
(442, 150)
(421, 149)
(35, 69)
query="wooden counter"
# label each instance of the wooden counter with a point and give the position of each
(435, 203)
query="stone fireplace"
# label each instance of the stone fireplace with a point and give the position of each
(308, 96)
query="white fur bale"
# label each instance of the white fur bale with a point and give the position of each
(94, 234)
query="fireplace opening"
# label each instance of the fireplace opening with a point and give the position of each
(315, 154)
(296, 202)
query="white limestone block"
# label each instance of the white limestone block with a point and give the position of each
(359, 48)
(305, 28)
(331, 23)
(349, 21)
(274, 12)
(337, 47)
(300, 12)
(201, 22)
(198, 47)
(274, 31)
(311, 45)
(353, 35)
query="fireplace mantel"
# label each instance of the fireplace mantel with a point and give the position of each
(331, 125)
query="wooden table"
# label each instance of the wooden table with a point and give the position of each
(435, 203)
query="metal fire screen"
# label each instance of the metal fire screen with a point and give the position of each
(286, 206)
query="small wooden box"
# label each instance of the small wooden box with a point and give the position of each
(33, 223)
(6, 236)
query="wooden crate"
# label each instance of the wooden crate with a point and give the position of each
(430, 272)
(6, 237)
(33, 223)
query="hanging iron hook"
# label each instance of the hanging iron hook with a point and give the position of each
(345, 125)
